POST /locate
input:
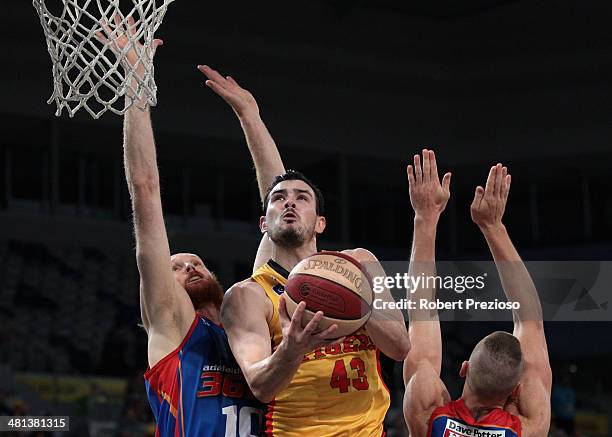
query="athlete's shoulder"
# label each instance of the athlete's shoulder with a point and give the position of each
(247, 288)
(243, 296)
(241, 293)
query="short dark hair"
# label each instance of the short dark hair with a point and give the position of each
(293, 175)
(496, 365)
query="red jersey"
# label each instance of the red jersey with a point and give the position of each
(455, 420)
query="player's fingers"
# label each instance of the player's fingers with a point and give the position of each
(327, 335)
(502, 185)
(426, 166)
(490, 186)
(101, 37)
(478, 195)
(213, 74)
(410, 172)
(213, 85)
(446, 180)
(106, 27)
(418, 171)
(498, 180)
(156, 43)
(131, 26)
(117, 19)
(282, 311)
(298, 315)
(433, 166)
(231, 80)
(312, 326)
(206, 70)
(507, 181)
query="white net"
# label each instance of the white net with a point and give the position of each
(102, 57)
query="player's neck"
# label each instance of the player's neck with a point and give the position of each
(478, 408)
(289, 257)
(211, 312)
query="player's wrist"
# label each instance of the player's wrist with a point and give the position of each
(426, 219)
(491, 230)
(249, 116)
(131, 90)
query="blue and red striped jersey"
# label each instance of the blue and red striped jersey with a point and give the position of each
(455, 420)
(199, 389)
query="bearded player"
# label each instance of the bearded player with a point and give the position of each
(508, 376)
(194, 385)
(314, 386)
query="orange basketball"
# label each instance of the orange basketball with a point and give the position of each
(334, 283)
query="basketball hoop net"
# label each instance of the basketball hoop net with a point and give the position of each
(89, 69)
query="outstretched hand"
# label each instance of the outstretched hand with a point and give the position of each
(242, 101)
(428, 195)
(124, 34)
(489, 203)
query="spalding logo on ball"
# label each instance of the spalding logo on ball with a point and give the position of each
(334, 283)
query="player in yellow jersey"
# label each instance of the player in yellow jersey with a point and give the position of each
(313, 386)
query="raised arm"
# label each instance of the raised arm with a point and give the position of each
(244, 313)
(166, 309)
(163, 301)
(264, 153)
(424, 389)
(487, 211)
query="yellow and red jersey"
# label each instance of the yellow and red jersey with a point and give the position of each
(337, 390)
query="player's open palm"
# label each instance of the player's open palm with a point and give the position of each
(490, 202)
(242, 101)
(428, 195)
(123, 36)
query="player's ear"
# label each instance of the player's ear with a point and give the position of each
(463, 371)
(263, 226)
(320, 224)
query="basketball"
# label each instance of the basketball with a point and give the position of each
(334, 283)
